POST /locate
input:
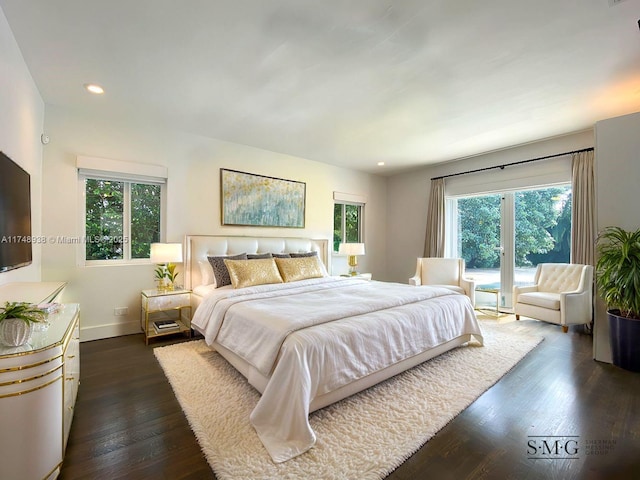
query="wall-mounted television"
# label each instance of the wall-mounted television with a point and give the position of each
(15, 215)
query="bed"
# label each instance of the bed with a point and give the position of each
(313, 339)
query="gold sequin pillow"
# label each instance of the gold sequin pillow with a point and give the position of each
(300, 268)
(247, 273)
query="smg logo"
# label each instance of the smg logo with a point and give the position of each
(557, 447)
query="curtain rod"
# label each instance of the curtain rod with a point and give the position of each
(501, 167)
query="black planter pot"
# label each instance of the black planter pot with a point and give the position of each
(624, 335)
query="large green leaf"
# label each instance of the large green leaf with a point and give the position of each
(618, 270)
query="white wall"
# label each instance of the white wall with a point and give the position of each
(408, 196)
(617, 178)
(193, 199)
(21, 121)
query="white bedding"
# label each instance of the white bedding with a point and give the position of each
(315, 336)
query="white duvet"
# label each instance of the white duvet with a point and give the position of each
(315, 336)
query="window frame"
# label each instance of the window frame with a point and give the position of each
(343, 227)
(128, 180)
(507, 233)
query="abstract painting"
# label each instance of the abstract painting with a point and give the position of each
(259, 201)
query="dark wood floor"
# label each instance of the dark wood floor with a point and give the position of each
(128, 424)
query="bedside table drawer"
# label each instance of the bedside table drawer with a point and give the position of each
(166, 302)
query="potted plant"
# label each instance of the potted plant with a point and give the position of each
(16, 322)
(161, 274)
(171, 275)
(166, 276)
(618, 280)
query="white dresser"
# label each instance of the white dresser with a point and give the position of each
(38, 388)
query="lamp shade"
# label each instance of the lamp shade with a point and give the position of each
(351, 249)
(166, 252)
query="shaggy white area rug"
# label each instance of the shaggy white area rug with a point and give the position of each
(365, 436)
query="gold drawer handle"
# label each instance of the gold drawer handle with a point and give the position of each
(71, 356)
(71, 378)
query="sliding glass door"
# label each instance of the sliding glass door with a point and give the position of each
(503, 236)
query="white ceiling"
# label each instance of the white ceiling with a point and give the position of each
(348, 83)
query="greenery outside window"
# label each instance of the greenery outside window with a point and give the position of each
(504, 236)
(121, 217)
(347, 223)
(542, 228)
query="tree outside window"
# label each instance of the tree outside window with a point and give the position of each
(542, 233)
(145, 218)
(122, 219)
(347, 224)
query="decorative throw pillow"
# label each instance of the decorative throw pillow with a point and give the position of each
(220, 271)
(247, 273)
(294, 269)
(304, 254)
(257, 256)
(206, 273)
(281, 255)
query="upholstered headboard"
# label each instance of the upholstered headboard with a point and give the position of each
(198, 247)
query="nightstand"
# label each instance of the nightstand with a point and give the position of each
(165, 312)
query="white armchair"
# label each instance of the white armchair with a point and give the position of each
(562, 294)
(444, 272)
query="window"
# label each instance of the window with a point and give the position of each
(122, 209)
(122, 219)
(504, 236)
(347, 223)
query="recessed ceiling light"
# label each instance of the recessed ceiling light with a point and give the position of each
(381, 164)
(94, 88)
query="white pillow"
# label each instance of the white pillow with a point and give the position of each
(206, 272)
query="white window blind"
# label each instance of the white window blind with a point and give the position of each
(105, 168)
(518, 177)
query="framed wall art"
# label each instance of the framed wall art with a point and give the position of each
(259, 201)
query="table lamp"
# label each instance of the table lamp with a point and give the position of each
(353, 250)
(166, 255)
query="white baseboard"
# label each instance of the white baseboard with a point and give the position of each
(108, 331)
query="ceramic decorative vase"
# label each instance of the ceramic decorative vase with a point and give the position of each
(15, 332)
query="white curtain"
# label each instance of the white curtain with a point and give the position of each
(583, 227)
(434, 240)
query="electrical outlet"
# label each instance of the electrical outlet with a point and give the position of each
(121, 311)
